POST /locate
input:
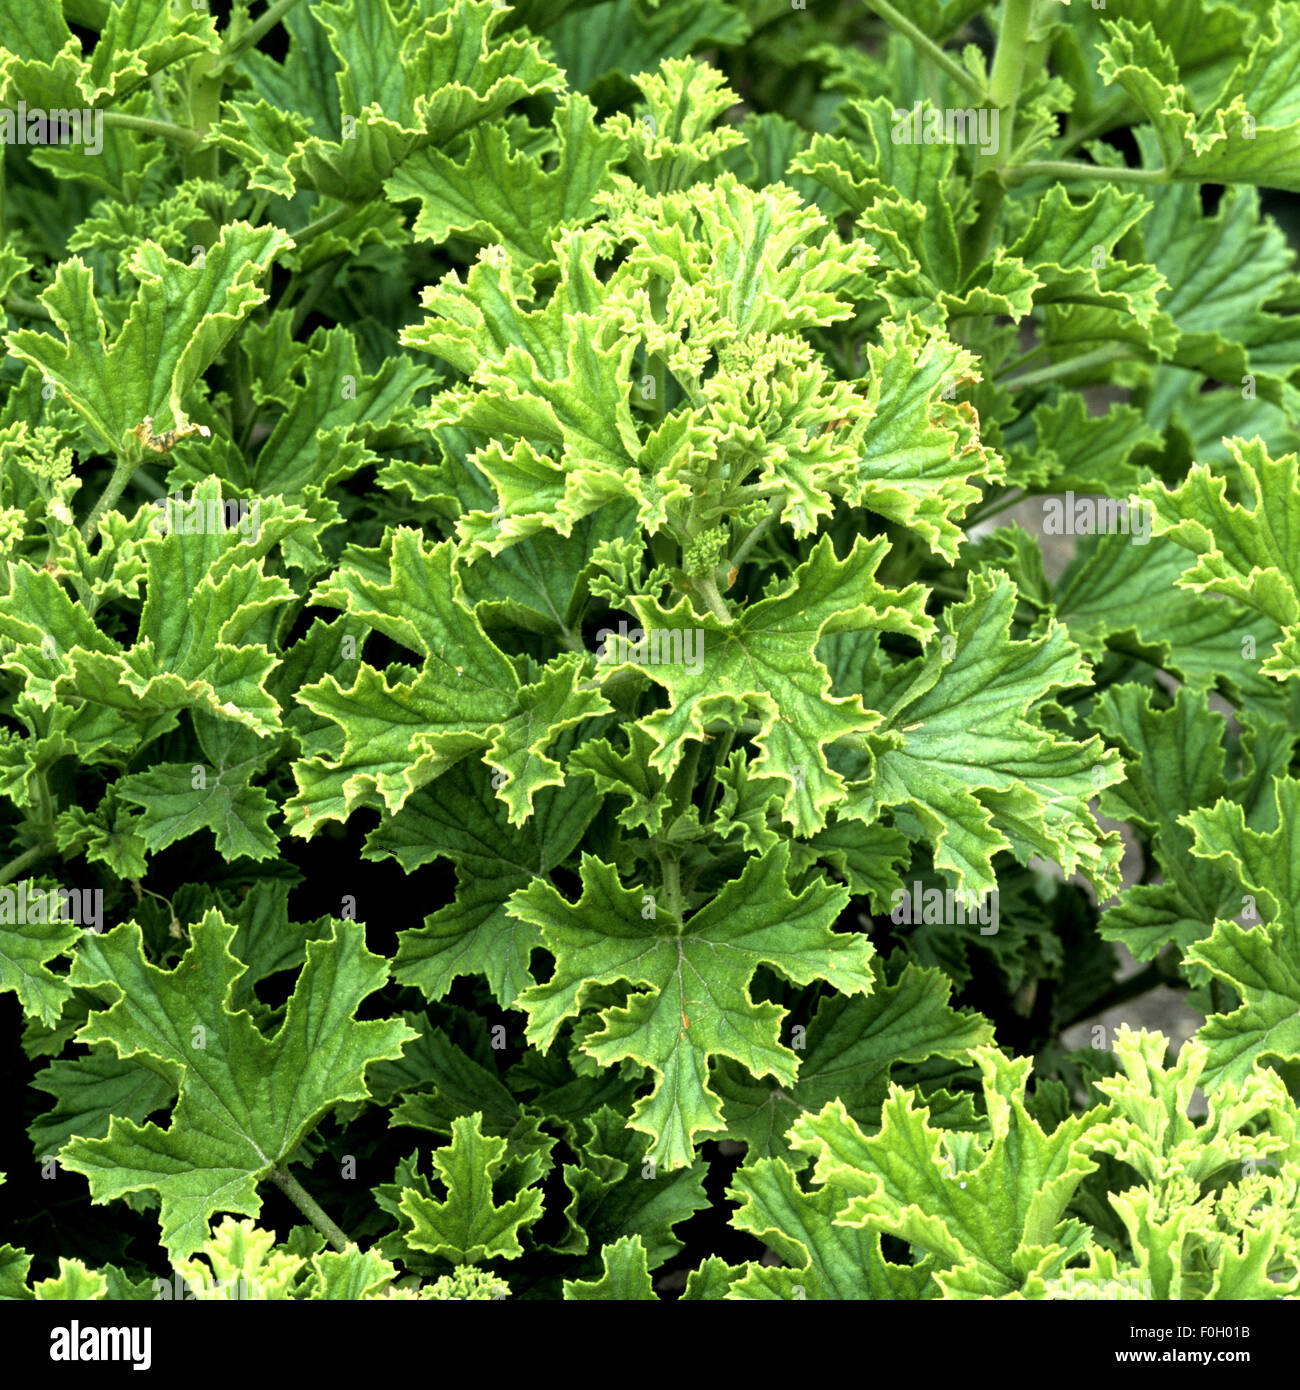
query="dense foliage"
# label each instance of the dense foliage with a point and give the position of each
(557, 790)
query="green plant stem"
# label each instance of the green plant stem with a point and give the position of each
(44, 803)
(755, 535)
(927, 48)
(707, 588)
(685, 777)
(1009, 61)
(1003, 504)
(1074, 169)
(22, 862)
(20, 305)
(1005, 81)
(164, 130)
(242, 411)
(309, 1206)
(1098, 358)
(262, 25)
(122, 471)
(720, 756)
(671, 874)
(322, 224)
(748, 727)
(207, 81)
(658, 367)
(320, 282)
(156, 87)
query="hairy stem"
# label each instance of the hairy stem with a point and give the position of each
(1005, 81)
(720, 756)
(751, 540)
(20, 863)
(164, 130)
(1099, 357)
(927, 48)
(671, 873)
(309, 1206)
(1074, 169)
(322, 224)
(260, 26)
(20, 305)
(706, 586)
(122, 470)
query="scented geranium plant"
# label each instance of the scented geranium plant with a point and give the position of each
(532, 762)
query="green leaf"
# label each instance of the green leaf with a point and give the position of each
(205, 633)
(920, 448)
(463, 821)
(470, 1226)
(1247, 549)
(991, 1212)
(615, 1190)
(626, 1277)
(1126, 598)
(1249, 134)
(764, 664)
(26, 948)
(823, 1259)
(89, 1091)
(246, 1101)
(848, 1051)
(74, 1282)
(179, 320)
(966, 750)
(1174, 761)
(179, 799)
(241, 1261)
(691, 999)
(1259, 960)
(400, 730)
(498, 195)
(408, 79)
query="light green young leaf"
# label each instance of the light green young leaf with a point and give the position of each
(990, 1211)
(498, 196)
(626, 1278)
(824, 1259)
(239, 1260)
(920, 448)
